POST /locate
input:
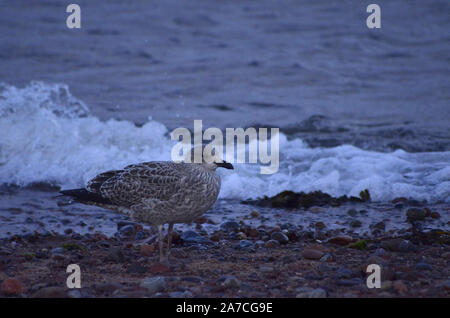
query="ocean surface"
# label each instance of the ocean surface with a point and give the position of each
(357, 108)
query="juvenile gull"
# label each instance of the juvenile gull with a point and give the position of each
(157, 192)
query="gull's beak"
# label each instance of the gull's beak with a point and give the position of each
(225, 165)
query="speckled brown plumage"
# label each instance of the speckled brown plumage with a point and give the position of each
(155, 192)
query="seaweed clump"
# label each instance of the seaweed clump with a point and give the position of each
(294, 200)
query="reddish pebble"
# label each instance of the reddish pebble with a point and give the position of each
(271, 244)
(11, 286)
(312, 254)
(147, 250)
(341, 240)
(159, 268)
(435, 215)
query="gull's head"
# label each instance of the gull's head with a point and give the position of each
(209, 158)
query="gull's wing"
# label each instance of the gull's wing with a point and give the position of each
(138, 182)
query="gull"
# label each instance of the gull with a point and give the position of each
(157, 192)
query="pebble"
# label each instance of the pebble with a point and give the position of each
(272, 244)
(245, 244)
(254, 214)
(154, 284)
(349, 282)
(127, 230)
(312, 254)
(326, 258)
(266, 269)
(178, 294)
(355, 223)
(400, 287)
(74, 293)
(194, 237)
(308, 292)
(379, 226)
(352, 212)
(147, 249)
(50, 292)
(397, 245)
(345, 273)
(58, 250)
(11, 286)
(280, 237)
(424, 267)
(231, 282)
(320, 225)
(416, 214)
(115, 255)
(341, 240)
(435, 215)
(229, 226)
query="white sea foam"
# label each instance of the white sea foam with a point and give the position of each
(47, 135)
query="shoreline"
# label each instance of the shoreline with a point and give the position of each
(232, 264)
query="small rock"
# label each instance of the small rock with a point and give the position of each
(352, 212)
(229, 226)
(326, 258)
(115, 255)
(58, 250)
(159, 269)
(341, 240)
(231, 282)
(272, 244)
(379, 226)
(74, 293)
(397, 245)
(355, 223)
(435, 215)
(266, 269)
(400, 287)
(127, 230)
(241, 236)
(349, 282)
(154, 284)
(424, 267)
(178, 294)
(50, 292)
(11, 286)
(147, 250)
(345, 273)
(245, 244)
(254, 214)
(308, 292)
(320, 225)
(312, 254)
(416, 214)
(280, 237)
(194, 237)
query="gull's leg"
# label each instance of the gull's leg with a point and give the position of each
(160, 233)
(169, 239)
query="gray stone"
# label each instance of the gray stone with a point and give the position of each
(424, 267)
(154, 284)
(194, 237)
(416, 214)
(308, 292)
(280, 237)
(229, 226)
(231, 282)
